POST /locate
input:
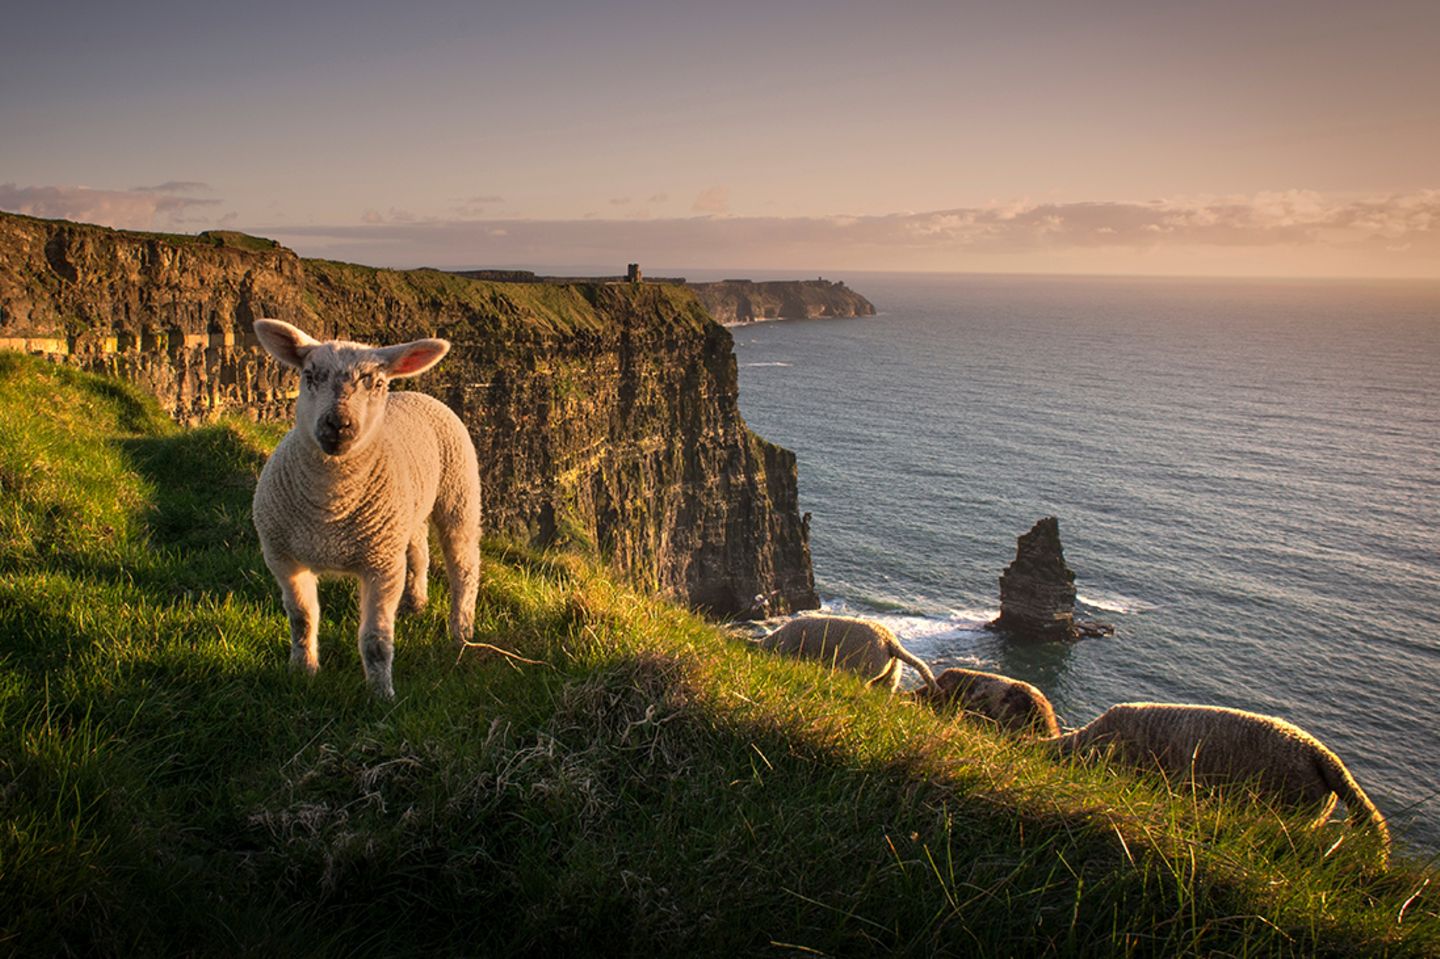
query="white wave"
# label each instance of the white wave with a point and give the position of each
(1114, 603)
(773, 363)
(913, 627)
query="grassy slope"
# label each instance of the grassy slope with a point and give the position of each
(166, 787)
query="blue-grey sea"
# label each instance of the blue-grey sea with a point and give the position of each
(1247, 476)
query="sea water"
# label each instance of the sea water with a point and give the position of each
(1246, 473)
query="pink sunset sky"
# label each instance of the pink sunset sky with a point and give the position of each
(1284, 138)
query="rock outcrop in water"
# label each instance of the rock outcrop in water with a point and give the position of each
(604, 415)
(1037, 590)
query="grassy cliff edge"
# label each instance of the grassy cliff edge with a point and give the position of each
(167, 787)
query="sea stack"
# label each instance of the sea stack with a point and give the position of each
(1037, 591)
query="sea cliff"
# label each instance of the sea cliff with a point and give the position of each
(604, 414)
(734, 302)
(731, 302)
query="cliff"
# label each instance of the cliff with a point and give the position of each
(745, 301)
(604, 415)
(732, 302)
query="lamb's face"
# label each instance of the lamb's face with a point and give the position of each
(343, 385)
(342, 397)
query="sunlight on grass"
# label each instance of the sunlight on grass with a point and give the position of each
(654, 784)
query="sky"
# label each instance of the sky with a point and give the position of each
(1286, 138)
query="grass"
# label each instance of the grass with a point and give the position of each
(167, 787)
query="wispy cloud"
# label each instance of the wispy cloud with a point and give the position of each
(715, 199)
(1286, 231)
(139, 208)
(175, 186)
(374, 217)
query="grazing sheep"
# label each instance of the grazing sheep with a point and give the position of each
(1014, 705)
(1215, 745)
(350, 489)
(859, 645)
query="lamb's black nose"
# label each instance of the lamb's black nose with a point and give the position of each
(337, 423)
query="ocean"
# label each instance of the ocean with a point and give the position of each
(1246, 474)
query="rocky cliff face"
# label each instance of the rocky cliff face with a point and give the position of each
(603, 414)
(745, 301)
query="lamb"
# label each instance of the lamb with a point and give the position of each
(860, 645)
(1215, 745)
(1014, 705)
(351, 487)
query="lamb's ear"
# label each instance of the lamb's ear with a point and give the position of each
(414, 358)
(286, 343)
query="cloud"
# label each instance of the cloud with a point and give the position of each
(1290, 232)
(715, 199)
(140, 208)
(393, 215)
(619, 201)
(175, 186)
(487, 198)
(657, 198)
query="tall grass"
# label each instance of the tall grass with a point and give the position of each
(655, 786)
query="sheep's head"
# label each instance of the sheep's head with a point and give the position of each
(343, 385)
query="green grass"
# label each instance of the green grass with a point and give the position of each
(167, 787)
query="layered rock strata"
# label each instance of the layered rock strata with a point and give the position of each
(604, 415)
(1037, 590)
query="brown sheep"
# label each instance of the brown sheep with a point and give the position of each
(1015, 706)
(1214, 745)
(859, 645)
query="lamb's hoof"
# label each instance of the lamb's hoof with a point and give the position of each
(411, 604)
(301, 663)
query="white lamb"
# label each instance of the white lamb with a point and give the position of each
(350, 489)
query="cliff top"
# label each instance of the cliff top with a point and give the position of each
(59, 278)
(655, 786)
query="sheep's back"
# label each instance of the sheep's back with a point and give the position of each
(437, 443)
(1217, 745)
(851, 643)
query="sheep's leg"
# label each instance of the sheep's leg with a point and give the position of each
(302, 606)
(417, 572)
(889, 677)
(460, 543)
(380, 593)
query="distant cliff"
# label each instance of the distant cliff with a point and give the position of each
(745, 301)
(731, 302)
(604, 414)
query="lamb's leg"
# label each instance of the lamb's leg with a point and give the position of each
(417, 572)
(379, 598)
(302, 606)
(460, 543)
